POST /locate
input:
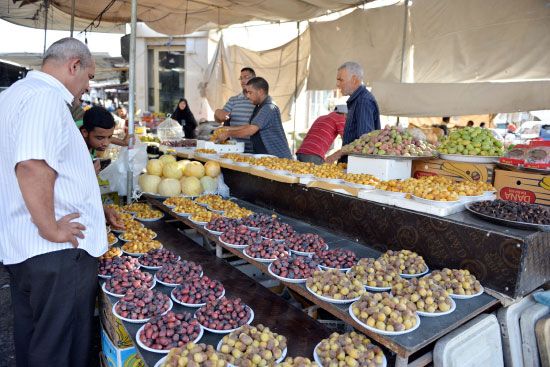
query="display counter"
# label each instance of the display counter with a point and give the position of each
(511, 262)
(431, 328)
(301, 331)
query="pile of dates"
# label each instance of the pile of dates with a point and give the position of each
(121, 264)
(336, 258)
(121, 283)
(517, 212)
(240, 236)
(170, 331)
(277, 231)
(179, 272)
(266, 250)
(224, 314)
(298, 267)
(306, 242)
(142, 304)
(198, 290)
(222, 224)
(158, 257)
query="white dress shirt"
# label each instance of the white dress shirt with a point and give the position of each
(35, 123)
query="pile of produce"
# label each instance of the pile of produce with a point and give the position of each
(170, 331)
(198, 290)
(306, 242)
(192, 354)
(472, 141)
(427, 296)
(390, 141)
(334, 284)
(405, 261)
(385, 312)
(240, 236)
(179, 272)
(350, 349)
(297, 267)
(138, 234)
(142, 304)
(141, 246)
(374, 273)
(119, 264)
(123, 282)
(167, 177)
(514, 211)
(337, 258)
(266, 250)
(455, 281)
(252, 346)
(224, 314)
(158, 257)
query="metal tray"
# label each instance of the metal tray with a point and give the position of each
(470, 158)
(505, 222)
(394, 157)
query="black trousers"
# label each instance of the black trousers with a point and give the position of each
(53, 299)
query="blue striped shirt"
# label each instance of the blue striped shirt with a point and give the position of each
(271, 132)
(241, 109)
(363, 115)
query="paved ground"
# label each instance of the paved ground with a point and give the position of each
(7, 352)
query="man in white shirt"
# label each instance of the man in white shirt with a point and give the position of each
(53, 223)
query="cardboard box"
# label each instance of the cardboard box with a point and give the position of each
(523, 186)
(117, 357)
(112, 325)
(458, 171)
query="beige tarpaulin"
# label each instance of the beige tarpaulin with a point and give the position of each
(455, 99)
(472, 40)
(373, 38)
(178, 17)
(277, 66)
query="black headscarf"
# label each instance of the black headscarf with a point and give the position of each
(185, 115)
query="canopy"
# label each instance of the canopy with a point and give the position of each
(176, 17)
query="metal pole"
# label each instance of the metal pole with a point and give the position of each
(73, 5)
(405, 26)
(45, 24)
(296, 86)
(131, 98)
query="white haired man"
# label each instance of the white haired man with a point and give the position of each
(53, 222)
(363, 115)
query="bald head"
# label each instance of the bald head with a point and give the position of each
(70, 61)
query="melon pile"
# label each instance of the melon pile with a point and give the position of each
(167, 177)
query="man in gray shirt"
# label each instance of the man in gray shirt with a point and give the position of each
(238, 109)
(265, 128)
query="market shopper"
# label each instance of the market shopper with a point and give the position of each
(238, 109)
(98, 126)
(183, 115)
(363, 115)
(53, 223)
(265, 127)
(321, 135)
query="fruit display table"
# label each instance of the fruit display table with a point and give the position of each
(431, 328)
(302, 332)
(511, 262)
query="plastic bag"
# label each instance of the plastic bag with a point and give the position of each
(169, 130)
(223, 189)
(117, 171)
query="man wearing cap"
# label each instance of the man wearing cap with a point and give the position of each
(321, 135)
(363, 115)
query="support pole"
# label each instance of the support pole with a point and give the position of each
(404, 44)
(46, 6)
(296, 86)
(73, 5)
(131, 100)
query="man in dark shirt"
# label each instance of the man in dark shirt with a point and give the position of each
(363, 115)
(265, 128)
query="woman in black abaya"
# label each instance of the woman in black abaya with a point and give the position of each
(185, 118)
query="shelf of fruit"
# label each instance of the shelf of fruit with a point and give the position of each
(471, 144)
(334, 293)
(160, 326)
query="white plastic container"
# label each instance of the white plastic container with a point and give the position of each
(527, 321)
(474, 344)
(384, 169)
(509, 319)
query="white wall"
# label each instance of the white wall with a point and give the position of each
(196, 60)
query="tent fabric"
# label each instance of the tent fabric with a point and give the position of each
(472, 40)
(456, 99)
(372, 38)
(277, 66)
(32, 15)
(177, 17)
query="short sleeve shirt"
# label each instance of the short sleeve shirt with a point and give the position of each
(322, 133)
(241, 109)
(36, 124)
(272, 134)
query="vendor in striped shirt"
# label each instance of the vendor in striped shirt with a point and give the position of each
(238, 109)
(321, 135)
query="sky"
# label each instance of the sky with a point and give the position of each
(32, 40)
